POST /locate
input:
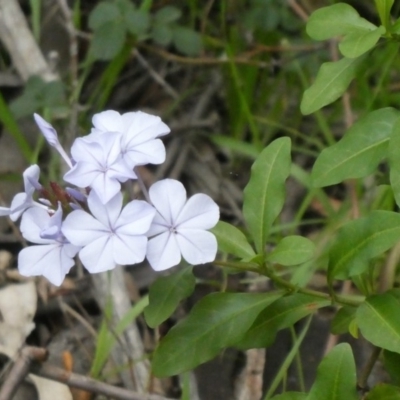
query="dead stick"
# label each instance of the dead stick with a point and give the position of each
(20, 369)
(30, 360)
(89, 384)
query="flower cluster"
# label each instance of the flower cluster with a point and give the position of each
(91, 221)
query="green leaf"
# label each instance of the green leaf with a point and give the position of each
(108, 40)
(290, 396)
(283, 313)
(395, 28)
(162, 34)
(360, 41)
(166, 293)
(360, 240)
(378, 320)
(343, 318)
(264, 195)
(216, 321)
(106, 337)
(102, 14)
(360, 150)
(336, 376)
(137, 22)
(331, 82)
(382, 391)
(237, 146)
(336, 20)
(167, 14)
(384, 7)
(232, 241)
(394, 160)
(391, 362)
(292, 250)
(187, 41)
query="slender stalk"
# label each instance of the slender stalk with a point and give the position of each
(283, 283)
(366, 371)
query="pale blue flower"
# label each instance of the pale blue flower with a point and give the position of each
(99, 165)
(180, 227)
(53, 255)
(139, 144)
(109, 236)
(50, 134)
(23, 201)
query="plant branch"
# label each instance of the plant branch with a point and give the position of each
(366, 371)
(31, 360)
(283, 283)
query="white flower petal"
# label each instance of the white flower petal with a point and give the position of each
(105, 187)
(159, 225)
(144, 125)
(135, 218)
(33, 222)
(163, 251)
(200, 212)
(197, 246)
(98, 256)
(108, 121)
(168, 197)
(81, 229)
(129, 249)
(107, 213)
(151, 152)
(47, 260)
(88, 151)
(81, 175)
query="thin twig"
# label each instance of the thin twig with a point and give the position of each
(155, 75)
(90, 385)
(366, 371)
(20, 369)
(31, 360)
(297, 9)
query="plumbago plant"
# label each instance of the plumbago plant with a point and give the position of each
(89, 220)
(357, 254)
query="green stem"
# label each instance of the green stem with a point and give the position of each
(283, 283)
(365, 373)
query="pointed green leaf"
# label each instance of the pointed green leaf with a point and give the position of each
(331, 82)
(378, 320)
(216, 321)
(394, 160)
(342, 320)
(383, 391)
(360, 240)
(360, 41)
(336, 376)
(232, 241)
(166, 293)
(283, 313)
(336, 20)
(359, 152)
(292, 250)
(384, 7)
(264, 195)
